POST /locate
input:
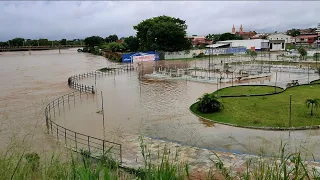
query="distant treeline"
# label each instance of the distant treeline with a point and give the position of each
(40, 42)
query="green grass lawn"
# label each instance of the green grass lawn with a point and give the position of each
(316, 82)
(247, 90)
(269, 111)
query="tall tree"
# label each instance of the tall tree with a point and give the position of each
(132, 43)
(111, 38)
(163, 33)
(93, 41)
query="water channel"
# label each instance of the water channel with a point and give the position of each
(154, 108)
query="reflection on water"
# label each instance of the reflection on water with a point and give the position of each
(160, 109)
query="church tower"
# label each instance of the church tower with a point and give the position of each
(233, 30)
(241, 29)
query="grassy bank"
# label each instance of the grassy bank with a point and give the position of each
(20, 165)
(267, 111)
(247, 90)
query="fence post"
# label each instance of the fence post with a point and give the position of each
(92, 90)
(63, 100)
(51, 127)
(89, 143)
(65, 136)
(120, 154)
(103, 147)
(57, 132)
(75, 140)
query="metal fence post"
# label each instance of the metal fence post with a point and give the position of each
(75, 140)
(65, 136)
(103, 147)
(120, 154)
(57, 132)
(89, 143)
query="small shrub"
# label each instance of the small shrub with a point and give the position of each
(33, 159)
(209, 103)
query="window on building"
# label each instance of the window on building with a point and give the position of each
(282, 45)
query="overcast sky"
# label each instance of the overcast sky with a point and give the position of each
(76, 19)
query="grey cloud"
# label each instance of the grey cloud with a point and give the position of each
(78, 19)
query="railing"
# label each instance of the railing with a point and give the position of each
(73, 80)
(74, 140)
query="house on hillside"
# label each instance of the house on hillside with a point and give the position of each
(278, 42)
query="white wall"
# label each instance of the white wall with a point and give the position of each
(257, 43)
(183, 54)
(284, 37)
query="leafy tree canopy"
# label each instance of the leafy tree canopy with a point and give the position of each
(16, 42)
(163, 33)
(229, 36)
(111, 38)
(132, 43)
(293, 32)
(213, 37)
(93, 41)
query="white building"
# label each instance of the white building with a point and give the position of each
(277, 42)
(257, 44)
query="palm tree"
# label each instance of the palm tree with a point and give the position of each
(313, 103)
(209, 103)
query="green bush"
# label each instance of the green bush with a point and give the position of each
(209, 103)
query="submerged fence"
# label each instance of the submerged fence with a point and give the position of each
(76, 141)
(73, 81)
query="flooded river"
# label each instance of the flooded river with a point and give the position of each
(154, 108)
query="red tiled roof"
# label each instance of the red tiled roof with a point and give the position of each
(306, 36)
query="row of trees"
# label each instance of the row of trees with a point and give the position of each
(39, 42)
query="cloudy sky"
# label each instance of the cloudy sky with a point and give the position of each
(76, 19)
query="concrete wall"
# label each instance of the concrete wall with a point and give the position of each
(183, 54)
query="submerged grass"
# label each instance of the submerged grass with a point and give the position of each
(247, 90)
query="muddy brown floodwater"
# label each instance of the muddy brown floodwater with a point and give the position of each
(157, 109)
(28, 83)
(160, 109)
